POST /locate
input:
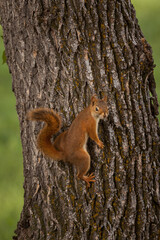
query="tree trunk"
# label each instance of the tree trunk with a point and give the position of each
(60, 53)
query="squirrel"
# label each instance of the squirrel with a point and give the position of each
(70, 145)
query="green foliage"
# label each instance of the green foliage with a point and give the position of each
(147, 13)
(4, 57)
(11, 179)
(11, 169)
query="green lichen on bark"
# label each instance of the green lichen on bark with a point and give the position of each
(63, 52)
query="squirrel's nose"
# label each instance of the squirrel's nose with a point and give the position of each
(105, 114)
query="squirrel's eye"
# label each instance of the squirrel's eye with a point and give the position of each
(97, 108)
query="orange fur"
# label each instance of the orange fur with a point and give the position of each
(70, 145)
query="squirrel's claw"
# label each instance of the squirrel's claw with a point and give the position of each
(100, 144)
(89, 179)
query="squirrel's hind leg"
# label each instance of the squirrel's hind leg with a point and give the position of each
(87, 179)
(82, 163)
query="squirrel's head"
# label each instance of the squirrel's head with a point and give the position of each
(99, 107)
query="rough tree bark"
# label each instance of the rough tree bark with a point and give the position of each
(60, 52)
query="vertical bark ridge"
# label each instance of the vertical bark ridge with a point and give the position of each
(65, 51)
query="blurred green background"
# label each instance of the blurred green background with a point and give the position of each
(11, 169)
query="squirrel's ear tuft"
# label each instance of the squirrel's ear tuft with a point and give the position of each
(105, 98)
(93, 99)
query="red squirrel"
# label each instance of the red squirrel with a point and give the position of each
(70, 145)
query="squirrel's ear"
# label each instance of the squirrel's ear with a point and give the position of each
(93, 99)
(105, 98)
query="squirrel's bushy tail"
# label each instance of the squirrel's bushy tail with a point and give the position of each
(52, 126)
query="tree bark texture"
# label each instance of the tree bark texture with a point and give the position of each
(60, 52)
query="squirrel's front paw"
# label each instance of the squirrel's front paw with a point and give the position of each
(100, 144)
